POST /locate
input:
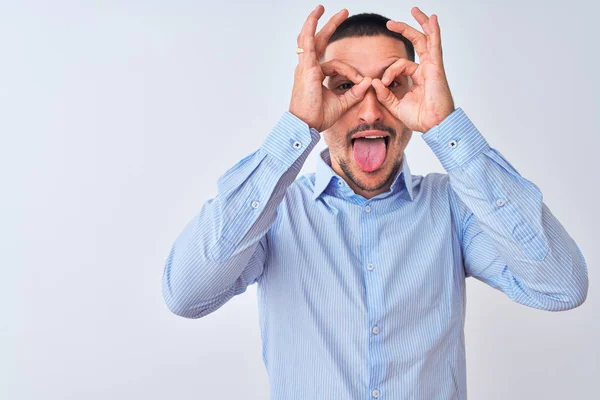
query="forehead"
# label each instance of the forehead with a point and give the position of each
(368, 54)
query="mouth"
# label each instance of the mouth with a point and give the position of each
(372, 135)
(370, 149)
(386, 140)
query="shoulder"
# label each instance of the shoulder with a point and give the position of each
(299, 191)
(305, 182)
(434, 183)
(435, 178)
(295, 200)
(302, 189)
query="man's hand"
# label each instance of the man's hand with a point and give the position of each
(311, 101)
(429, 100)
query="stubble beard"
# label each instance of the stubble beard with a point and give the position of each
(405, 135)
(373, 187)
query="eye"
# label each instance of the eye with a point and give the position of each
(343, 87)
(393, 85)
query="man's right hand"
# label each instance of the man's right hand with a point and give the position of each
(311, 101)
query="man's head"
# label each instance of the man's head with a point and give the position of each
(369, 165)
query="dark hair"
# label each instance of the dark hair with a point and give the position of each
(369, 24)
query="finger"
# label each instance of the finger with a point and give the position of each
(333, 67)
(309, 20)
(385, 96)
(422, 19)
(306, 39)
(300, 38)
(355, 94)
(401, 66)
(418, 39)
(435, 42)
(325, 33)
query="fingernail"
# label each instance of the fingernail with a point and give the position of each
(385, 80)
(359, 76)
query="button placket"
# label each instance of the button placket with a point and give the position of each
(369, 228)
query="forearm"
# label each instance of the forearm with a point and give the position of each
(218, 252)
(537, 263)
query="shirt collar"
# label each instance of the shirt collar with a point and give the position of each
(325, 174)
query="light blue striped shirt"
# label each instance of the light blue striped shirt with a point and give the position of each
(364, 299)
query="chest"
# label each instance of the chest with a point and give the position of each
(332, 253)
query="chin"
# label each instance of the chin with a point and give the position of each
(368, 181)
(373, 180)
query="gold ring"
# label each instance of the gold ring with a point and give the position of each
(299, 50)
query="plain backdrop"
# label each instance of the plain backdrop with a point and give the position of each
(118, 117)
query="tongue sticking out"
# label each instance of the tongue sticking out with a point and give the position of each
(369, 154)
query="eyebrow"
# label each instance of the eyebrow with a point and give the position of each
(380, 72)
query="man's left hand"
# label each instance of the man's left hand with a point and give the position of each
(429, 100)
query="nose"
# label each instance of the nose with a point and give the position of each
(370, 109)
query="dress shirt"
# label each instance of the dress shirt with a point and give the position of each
(365, 298)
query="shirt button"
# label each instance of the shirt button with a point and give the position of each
(340, 183)
(375, 393)
(297, 144)
(452, 144)
(367, 208)
(499, 202)
(370, 267)
(255, 204)
(375, 330)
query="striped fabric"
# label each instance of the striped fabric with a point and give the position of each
(364, 299)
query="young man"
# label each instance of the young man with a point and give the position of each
(361, 266)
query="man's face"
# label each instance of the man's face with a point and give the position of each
(370, 164)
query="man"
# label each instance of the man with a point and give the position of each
(361, 266)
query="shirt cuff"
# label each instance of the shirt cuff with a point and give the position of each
(455, 141)
(289, 139)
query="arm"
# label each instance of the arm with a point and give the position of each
(510, 239)
(222, 249)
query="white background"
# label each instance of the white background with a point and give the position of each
(118, 117)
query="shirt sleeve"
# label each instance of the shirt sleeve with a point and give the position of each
(510, 239)
(222, 249)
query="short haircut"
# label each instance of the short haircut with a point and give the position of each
(369, 24)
